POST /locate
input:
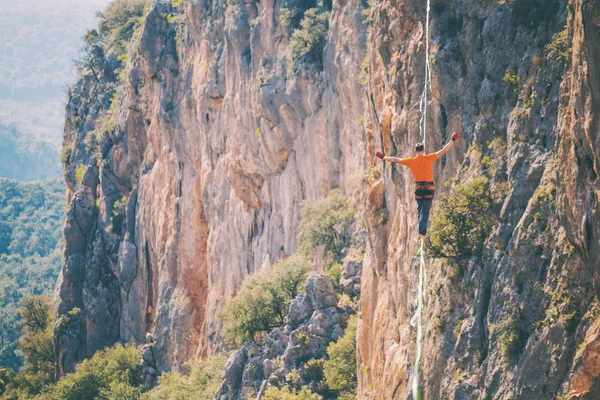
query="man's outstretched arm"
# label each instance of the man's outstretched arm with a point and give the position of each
(389, 159)
(443, 151)
(393, 160)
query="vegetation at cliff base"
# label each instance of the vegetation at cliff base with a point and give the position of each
(31, 219)
(263, 300)
(289, 394)
(108, 375)
(200, 383)
(340, 369)
(38, 349)
(264, 297)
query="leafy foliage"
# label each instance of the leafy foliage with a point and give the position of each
(327, 223)
(287, 394)
(461, 220)
(116, 28)
(510, 338)
(200, 384)
(557, 51)
(120, 390)
(31, 217)
(37, 343)
(38, 348)
(334, 272)
(119, 22)
(340, 369)
(107, 375)
(307, 42)
(263, 300)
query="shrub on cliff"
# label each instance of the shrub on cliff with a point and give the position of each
(326, 223)
(263, 300)
(340, 369)
(115, 30)
(107, 375)
(307, 43)
(461, 220)
(120, 20)
(200, 384)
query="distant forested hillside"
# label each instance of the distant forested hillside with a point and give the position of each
(31, 218)
(24, 158)
(40, 40)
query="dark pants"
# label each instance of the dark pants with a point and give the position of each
(423, 207)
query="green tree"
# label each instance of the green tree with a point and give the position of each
(340, 369)
(461, 220)
(263, 300)
(119, 22)
(37, 343)
(117, 26)
(200, 384)
(6, 377)
(93, 58)
(308, 42)
(107, 375)
(120, 390)
(326, 223)
(287, 394)
(37, 347)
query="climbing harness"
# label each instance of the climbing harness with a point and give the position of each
(425, 189)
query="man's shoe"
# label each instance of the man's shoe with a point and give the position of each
(420, 237)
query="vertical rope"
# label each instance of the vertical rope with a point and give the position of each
(427, 85)
(416, 390)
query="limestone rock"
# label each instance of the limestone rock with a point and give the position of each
(253, 369)
(319, 291)
(350, 279)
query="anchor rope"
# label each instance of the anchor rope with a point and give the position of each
(417, 321)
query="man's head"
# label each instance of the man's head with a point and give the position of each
(420, 149)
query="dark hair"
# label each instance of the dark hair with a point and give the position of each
(419, 147)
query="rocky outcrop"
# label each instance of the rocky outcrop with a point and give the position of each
(148, 363)
(313, 321)
(351, 276)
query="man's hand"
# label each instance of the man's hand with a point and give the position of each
(379, 155)
(455, 136)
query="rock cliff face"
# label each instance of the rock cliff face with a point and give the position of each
(212, 142)
(215, 132)
(519, 321)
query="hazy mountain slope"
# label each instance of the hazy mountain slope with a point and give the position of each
(40, 41)
(31, 219)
